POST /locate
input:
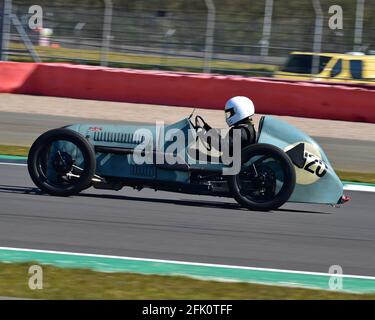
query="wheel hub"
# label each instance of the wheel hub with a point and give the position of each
(62, 162)
(267, 181)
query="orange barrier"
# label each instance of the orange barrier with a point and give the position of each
(336, 102)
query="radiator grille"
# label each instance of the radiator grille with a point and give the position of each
(118, 137)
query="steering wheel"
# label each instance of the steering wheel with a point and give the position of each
(201, 124)
(202, 128)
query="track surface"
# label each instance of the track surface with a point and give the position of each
(189, 228)
(23, 129)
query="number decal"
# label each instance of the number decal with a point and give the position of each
(321, 168)
(308, 163)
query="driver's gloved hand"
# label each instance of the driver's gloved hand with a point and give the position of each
(206, 126)
(212, 137)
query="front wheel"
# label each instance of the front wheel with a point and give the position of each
(266, 180)
(61, 162)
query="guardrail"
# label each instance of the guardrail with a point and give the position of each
(301, 99)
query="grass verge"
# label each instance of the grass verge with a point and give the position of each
(14, 151)
(61, 283)
(344, 175)
(356, 176)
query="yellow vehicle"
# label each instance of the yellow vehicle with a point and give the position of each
(333, 67)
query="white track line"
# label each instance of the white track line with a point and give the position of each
(187, 263)
(13, 164)
(358, 187)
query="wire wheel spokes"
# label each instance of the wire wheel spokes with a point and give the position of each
(61, 163)
(261, 178)
(266, 180)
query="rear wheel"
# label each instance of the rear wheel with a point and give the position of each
(266, 180)
(61, 162)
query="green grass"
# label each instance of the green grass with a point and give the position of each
(143, 61)
(14, 151)
(356, 176)
(61, 283)
(344, 175)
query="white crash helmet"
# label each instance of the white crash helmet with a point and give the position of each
(237, 109)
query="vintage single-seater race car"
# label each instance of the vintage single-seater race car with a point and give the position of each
(282, 164)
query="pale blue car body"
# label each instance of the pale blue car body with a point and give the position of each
(327, 189)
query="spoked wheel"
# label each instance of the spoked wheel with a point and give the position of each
(266, 180)
(61, 162)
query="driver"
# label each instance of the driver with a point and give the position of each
(238, 115)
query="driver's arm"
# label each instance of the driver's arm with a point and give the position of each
(211, 135)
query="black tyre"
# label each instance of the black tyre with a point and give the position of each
(267, 178)
(61, 162)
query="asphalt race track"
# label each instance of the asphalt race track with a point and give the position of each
(163, 225)
(23, 129)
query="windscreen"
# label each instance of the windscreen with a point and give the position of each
(302, 63)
